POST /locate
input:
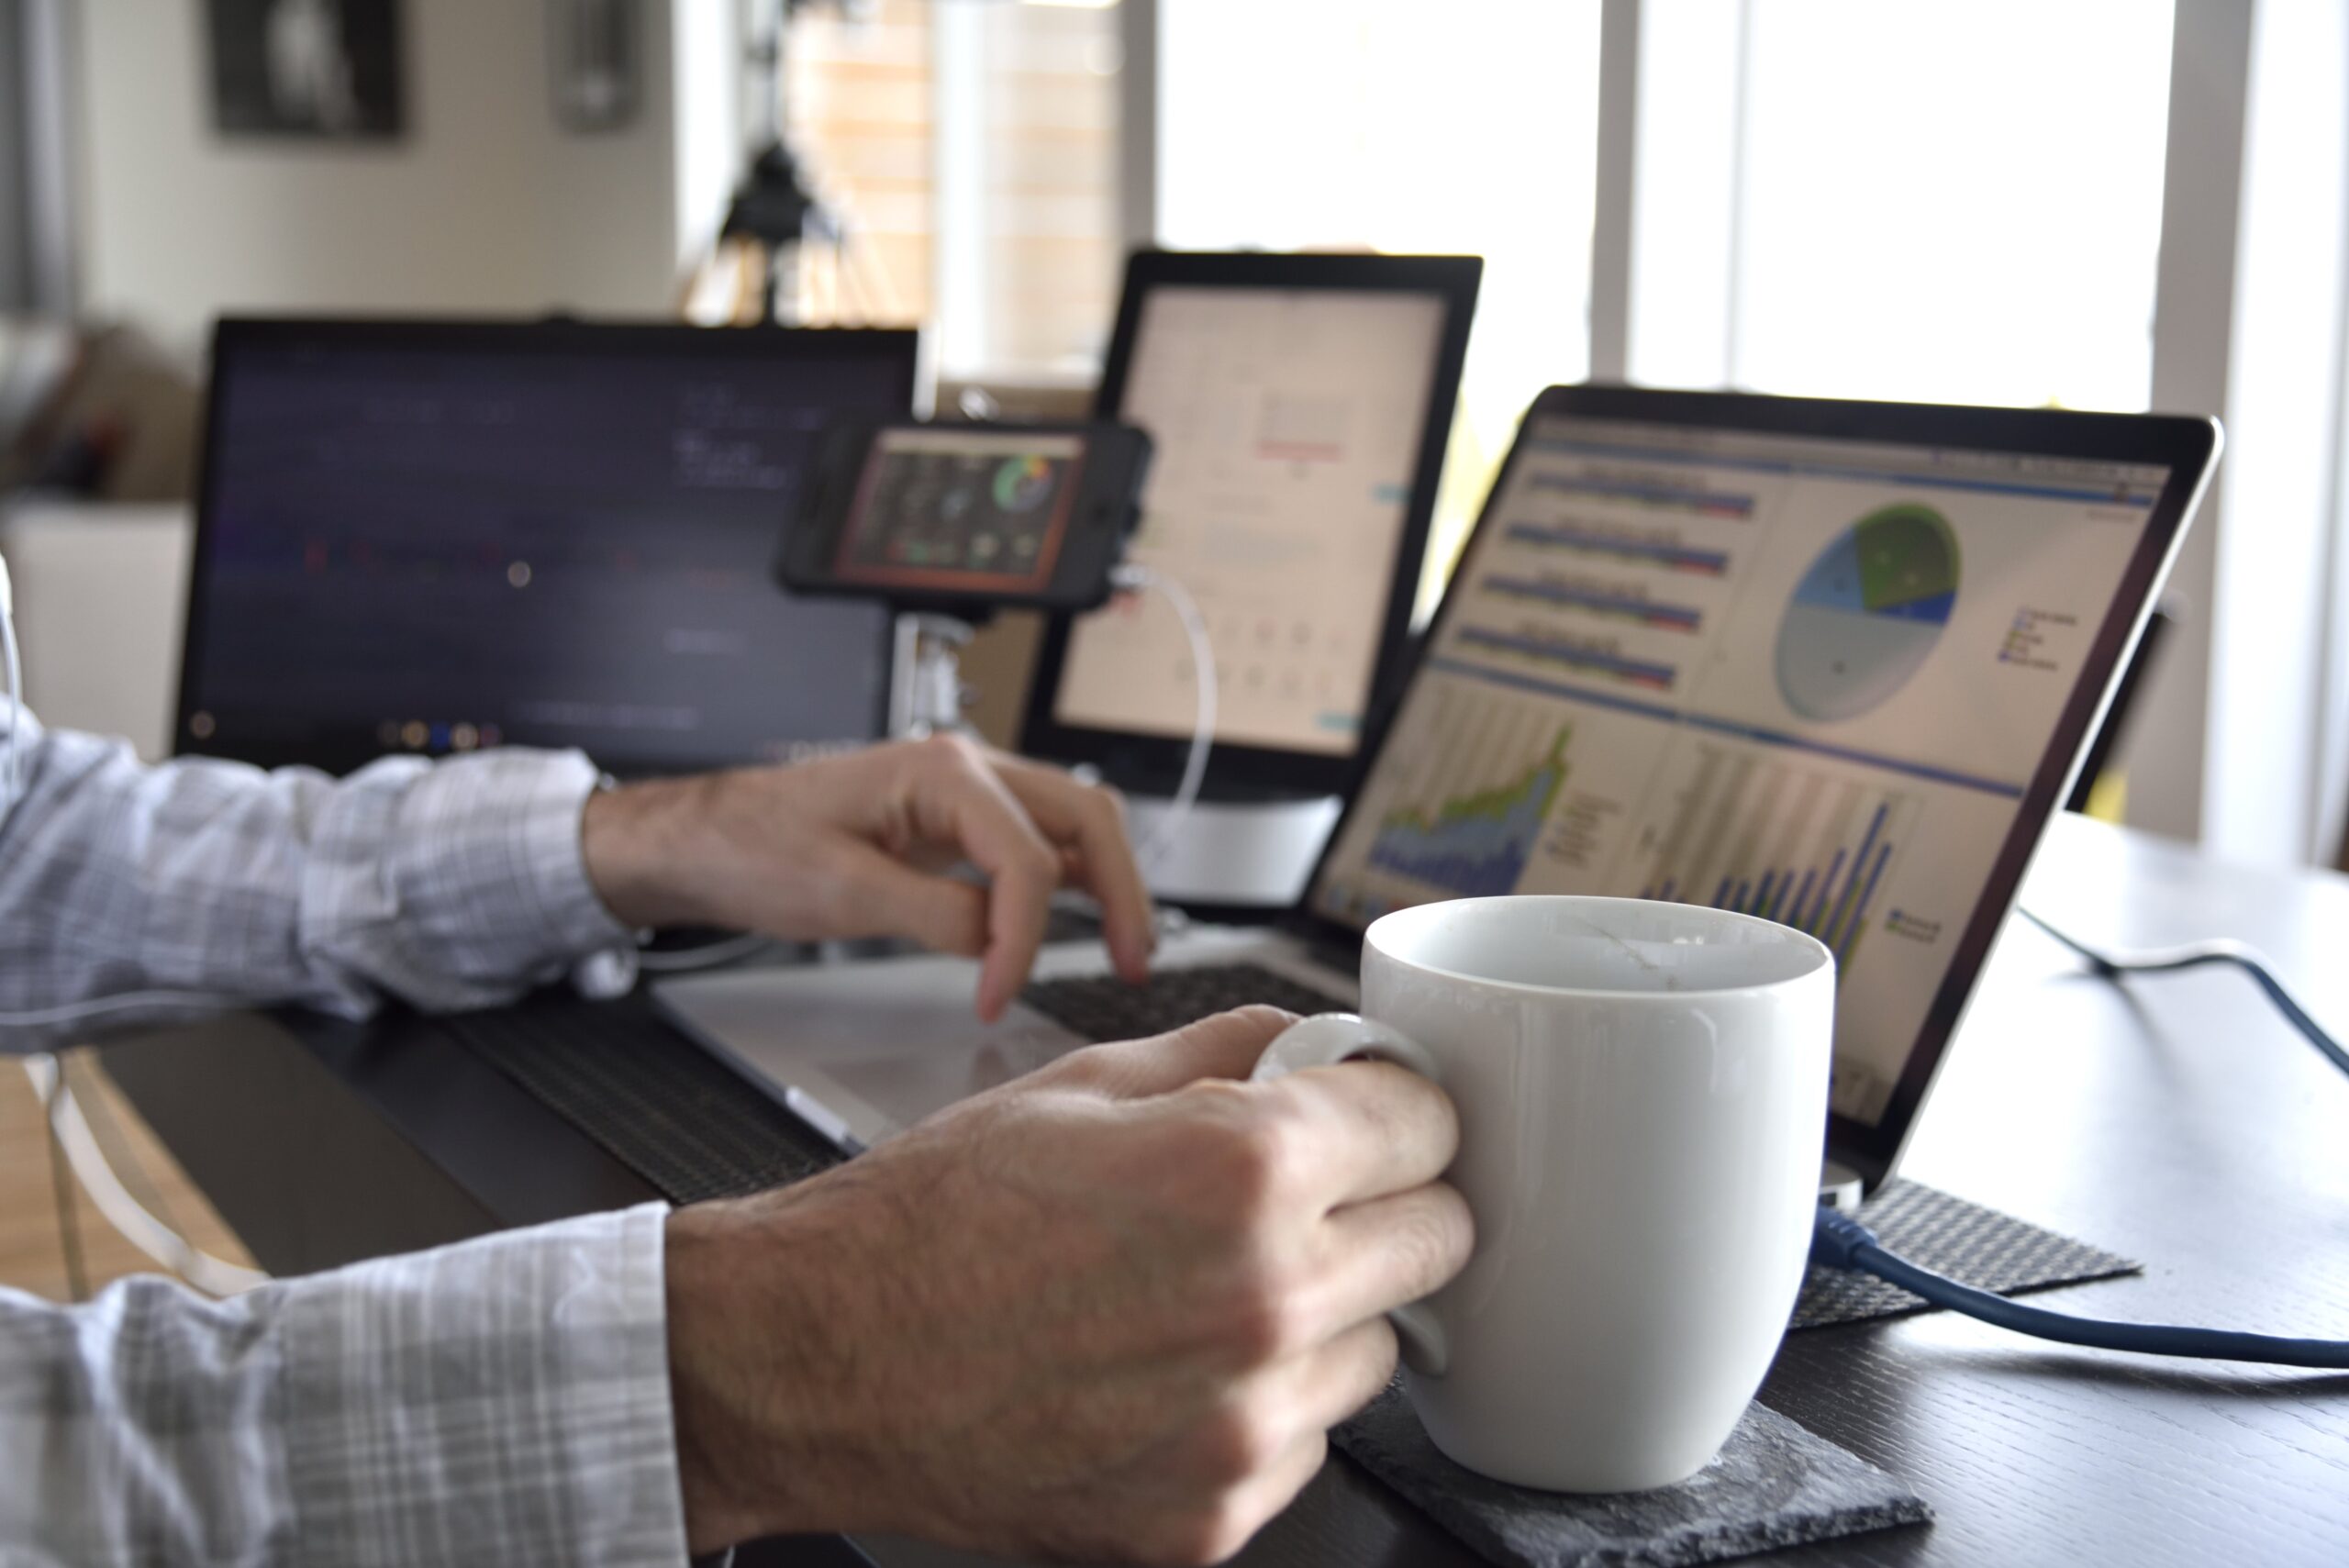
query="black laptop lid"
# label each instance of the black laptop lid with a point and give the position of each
(433, 536)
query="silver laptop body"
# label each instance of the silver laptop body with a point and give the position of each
(1884, 785)
(864, 1049)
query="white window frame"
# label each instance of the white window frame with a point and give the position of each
(2240, 738)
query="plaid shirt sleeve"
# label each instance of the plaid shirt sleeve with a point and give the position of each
(450, 885)
(505, 1401)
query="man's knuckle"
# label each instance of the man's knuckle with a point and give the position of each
(1236, 1443)
(1093, 1066)
(1225, 1526)
(832, 882)
(1260, 1017)
(1103, 803)
(1383, 1353)
(953, 753)
(1210, 1531)
(1429, 1241)
(1038, 858)
(1252, 1148)
(1458, 1227)
(1265, 1319)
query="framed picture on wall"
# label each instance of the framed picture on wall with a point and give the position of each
(320, 69)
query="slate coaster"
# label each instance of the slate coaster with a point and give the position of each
(1979, 1246)
(1775, 1483)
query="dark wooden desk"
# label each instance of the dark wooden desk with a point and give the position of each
(2177, 1121)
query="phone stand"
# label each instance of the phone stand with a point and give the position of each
(930, 698)
(1235, 854)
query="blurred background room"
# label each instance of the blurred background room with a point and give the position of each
(2124, 205)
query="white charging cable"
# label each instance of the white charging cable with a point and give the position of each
(71, 1127)
(15, 777)
(709, 955)
(1195, 765)
(67, 1124)
(123, 1001)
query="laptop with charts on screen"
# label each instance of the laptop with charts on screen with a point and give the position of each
(1830, 663)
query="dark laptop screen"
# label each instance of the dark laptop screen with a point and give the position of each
(441, 537)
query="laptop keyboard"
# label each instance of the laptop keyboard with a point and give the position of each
(1103, 1007)
(662, 1106)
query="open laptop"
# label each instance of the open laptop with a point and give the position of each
(433, 536)
(1833, 663)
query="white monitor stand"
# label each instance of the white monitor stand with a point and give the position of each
(1256, 854)
(1245, 854)
(926, 695)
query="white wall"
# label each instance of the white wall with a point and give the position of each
(2269, 769)
(2242, 738)
(484, 204)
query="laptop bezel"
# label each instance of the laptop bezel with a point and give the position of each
(2187, 444)
(450, 335)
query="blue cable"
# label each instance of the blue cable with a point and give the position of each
(2169, 961)
(1841, 1242)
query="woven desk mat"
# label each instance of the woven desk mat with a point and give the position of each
(1977, 1246)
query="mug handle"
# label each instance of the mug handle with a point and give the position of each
(1323, 1041)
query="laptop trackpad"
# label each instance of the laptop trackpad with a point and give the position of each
(878, 1057)
(905, 1087)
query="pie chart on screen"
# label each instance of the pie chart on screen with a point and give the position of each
(1023, 482)
(1868, 613)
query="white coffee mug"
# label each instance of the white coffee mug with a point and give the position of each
(1643, 1098)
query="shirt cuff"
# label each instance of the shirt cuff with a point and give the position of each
(502, 1401)
(569, 910)
(492, 884)
(555, 894)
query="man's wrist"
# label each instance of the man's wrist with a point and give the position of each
(779, 1376)
(638, 844)
(741, 1332)
(702, 1246)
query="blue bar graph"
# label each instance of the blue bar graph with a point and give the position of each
(1808, 920)
(1859, 916)
(1751, 830)
(1840, 910)
(1802, 893)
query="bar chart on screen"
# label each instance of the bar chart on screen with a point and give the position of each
(1756, 830)
(1604, 579)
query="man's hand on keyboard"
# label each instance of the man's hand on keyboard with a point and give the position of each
(858, 846)
(1107, 1312)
